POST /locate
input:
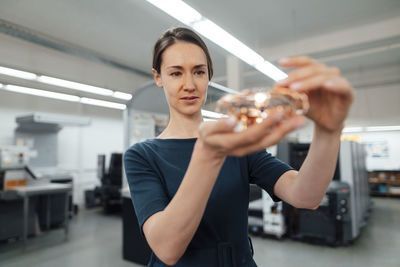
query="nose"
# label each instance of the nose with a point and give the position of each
(188, 83)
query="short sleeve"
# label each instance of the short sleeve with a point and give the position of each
(147, 192)
(265, 170)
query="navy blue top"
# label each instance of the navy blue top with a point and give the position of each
(155, 168)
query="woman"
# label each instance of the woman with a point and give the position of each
(190, 185)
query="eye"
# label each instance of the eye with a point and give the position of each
(175, 74)
(200, 72)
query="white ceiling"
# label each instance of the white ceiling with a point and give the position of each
(125, 30)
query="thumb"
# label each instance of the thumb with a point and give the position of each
(221, 126)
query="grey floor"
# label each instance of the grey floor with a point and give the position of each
(96, 240)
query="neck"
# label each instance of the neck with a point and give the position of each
(182, 126)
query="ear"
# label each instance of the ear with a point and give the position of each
(157, 78)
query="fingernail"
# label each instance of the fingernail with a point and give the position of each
(296, 86)
(283, 60)
(329, 84)
(231, 121)
(239, 127)
(283, 81)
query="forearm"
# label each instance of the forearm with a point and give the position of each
(318, 169)
(174, 228)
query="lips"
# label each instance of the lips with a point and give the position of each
(189, 97)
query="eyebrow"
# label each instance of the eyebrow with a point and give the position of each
(180, 67)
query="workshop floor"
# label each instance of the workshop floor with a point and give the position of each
(95, 240)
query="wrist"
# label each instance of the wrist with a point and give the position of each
(208, 153)
(325, 133)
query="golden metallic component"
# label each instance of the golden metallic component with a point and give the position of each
(252, 107)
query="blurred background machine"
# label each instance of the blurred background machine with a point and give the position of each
(346, 205)
(25, 201)
(13, 163)
(35, 194)
(255, 212)
(329, 224)
(40, 133)
(273, 219)
(353, 171)
(343, 211)
(265, 215)
(108, 194)
(14, 167)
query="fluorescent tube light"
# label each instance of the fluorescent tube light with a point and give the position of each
(66, 97)
(271, 70)
(37, 92)
(211, 114)
(64, 83)
(371, 129)
(18, 73)
(382, 128)
(122, 95)
(178, 9)
(222, 88)
(75, 85)
(1, 85)
(189, 16)
(222, 38)
(102, 103)
(352, 129)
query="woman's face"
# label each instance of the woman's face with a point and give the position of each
(184, 76)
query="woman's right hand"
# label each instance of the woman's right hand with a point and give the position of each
(220, 139)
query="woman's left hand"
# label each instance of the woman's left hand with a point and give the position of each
(330, 95)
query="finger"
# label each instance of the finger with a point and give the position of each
(296, 61)
(339, 84)
(249, 136)
(309, 84)
(336, 84)
(273, 137)
(221, 126)
(302, 73)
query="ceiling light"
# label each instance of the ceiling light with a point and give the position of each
(18, 73)
(222, 88)
(208, 119)
(352, 129)
(382, 128)
(64, 83)
(371, 129)
(211, 114)
(75, 85)
(178, 9)
(66, 97)
(102, 103)
(122, 95)
(270, 70)
(37, 92)
(189, 16)
(222, 38)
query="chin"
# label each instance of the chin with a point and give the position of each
(191, 112)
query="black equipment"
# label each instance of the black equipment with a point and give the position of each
(295, 153)
(109, 192)
(11, 207)
(333, 223)
(330, 224)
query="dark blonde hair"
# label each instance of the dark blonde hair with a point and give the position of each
(174, 35)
